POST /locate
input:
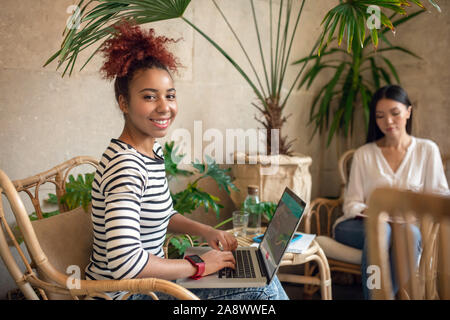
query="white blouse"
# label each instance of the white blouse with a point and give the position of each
(420, 170)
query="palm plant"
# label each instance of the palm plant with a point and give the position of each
(95, 27)
(359, 71)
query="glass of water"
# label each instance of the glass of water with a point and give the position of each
(240, 223)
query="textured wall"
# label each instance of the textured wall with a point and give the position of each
(46, 119)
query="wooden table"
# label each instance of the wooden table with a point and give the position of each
(313, 253)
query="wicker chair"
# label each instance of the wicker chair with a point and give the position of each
(48, 241)
(320, 218)
(431, 278)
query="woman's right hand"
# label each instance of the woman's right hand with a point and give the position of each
(216, 260)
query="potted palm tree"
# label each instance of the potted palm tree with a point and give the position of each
(359, 70)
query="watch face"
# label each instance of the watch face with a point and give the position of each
(196, 258)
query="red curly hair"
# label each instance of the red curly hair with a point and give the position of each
(132, 49)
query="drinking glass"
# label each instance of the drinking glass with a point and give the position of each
(240, 223)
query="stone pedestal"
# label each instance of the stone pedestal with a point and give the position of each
(272, 174)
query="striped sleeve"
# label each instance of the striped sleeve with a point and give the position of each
(123, 184)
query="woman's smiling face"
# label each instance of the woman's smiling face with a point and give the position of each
(152, 104)
(392, 116)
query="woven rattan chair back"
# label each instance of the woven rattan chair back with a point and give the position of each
(430, 279)
(344, 166)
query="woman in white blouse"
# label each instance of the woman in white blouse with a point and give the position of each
(391, 157)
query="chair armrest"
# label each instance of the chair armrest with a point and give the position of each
(93, 288)
(321, 210)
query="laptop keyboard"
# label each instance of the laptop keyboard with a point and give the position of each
(244, 266)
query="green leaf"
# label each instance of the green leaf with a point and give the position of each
(316, 99)
(402, 20)
(221, 176)
(392, 68)
(323, 54)
(375, 76)
(325, 105)
(78, 191)
(399, 49)
(231, 60)
(365, 104)
(199, 166)
(267, 208)
(94, 26)
(350, 32)
(348, 113)
(171, 161)
(374, 36)
(341, 30)
(385, 76)
(180, 243)
(52, 199)
(334, 125)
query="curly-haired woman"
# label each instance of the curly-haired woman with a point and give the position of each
(131, 203)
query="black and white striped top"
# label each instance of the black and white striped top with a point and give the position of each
(131, 208)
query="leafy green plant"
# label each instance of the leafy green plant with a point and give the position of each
(266, 208)
(192, 196)
(352, 17)
(78, 192)
(359, 71)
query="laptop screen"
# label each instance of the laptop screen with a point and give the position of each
(280, 230)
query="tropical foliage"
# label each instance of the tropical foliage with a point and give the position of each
(352, 17)
(192, 197)
(358, 74)
(78, 192)
(359, 70)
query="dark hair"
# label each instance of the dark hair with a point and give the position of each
(132, 49)
(392, 92)
(121, 84)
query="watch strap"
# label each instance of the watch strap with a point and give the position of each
(200, 268)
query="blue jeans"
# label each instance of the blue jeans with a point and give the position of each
(273, 291)
(352, 233)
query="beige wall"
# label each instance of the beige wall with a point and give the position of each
(46, 119)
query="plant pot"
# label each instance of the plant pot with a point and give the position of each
(272, 174)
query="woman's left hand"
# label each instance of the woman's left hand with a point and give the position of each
(216, 237)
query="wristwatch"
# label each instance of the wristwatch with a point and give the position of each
(196, 261)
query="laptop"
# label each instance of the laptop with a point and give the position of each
(256, 266)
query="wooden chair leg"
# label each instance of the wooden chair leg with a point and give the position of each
(309, 290)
